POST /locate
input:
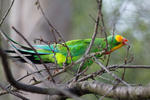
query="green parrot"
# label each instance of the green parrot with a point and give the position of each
(58, 53)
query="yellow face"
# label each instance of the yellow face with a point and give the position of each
(121, 40)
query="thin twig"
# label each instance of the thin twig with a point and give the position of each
(7, 12)
(125, 62)
(103, 28)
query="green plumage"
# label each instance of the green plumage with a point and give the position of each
(58, 53)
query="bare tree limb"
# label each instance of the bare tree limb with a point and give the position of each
(120, 92)
(129, 66)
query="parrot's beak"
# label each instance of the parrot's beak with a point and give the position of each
(125, 41)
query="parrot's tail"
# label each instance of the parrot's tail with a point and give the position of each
(30, 56)
(25, 50)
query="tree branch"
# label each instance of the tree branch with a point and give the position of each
(129, 66)
(12, 92)
(122, 92)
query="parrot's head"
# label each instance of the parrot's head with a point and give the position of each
(115, 42)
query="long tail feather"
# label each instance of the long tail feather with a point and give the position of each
(30, 57)
(8, 38)
(10, 51)
(21, 51)
(27, 51)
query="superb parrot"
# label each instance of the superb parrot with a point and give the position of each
(58, 53)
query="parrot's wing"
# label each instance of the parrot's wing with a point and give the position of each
(50, 48)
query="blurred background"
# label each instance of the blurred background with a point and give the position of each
(74, 20)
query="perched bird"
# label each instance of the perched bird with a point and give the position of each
(58, 53)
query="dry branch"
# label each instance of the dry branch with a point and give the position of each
(122, 92)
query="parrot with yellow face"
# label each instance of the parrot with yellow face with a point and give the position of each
(58, 53)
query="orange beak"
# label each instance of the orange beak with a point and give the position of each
(125, 41)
